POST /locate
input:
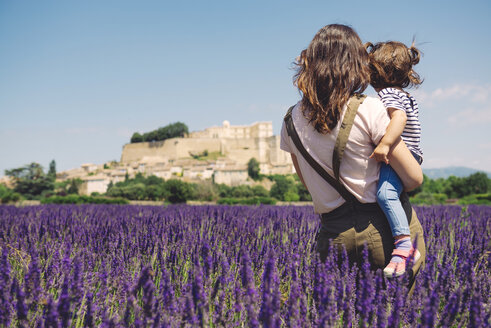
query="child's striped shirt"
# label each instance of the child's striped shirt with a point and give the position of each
(395, 98)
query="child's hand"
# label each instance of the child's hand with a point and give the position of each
(380, 153)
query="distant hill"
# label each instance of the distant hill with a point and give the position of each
(445, 172)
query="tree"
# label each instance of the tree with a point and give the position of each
(205, 190)
(223, 190)
(30, 180)
(455, 187)
(242, 191)
(284, 189)
(477, 183)
(303, 193)
(177, 191)
(52, 170)
(173, 130)
(150, 136)
(7, 195)
(177, 129)
(253, 168)
(74, 186)
(260, 191)
(136, 137)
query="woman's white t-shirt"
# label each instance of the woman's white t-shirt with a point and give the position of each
(358, 173)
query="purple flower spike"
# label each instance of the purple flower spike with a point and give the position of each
(199, 295)
(249, 284)
(4, 283)
(20, 305)
(270, 306)
(50, 314)
(89, 315)
(33, 282)
(64, 306)
(207, 259)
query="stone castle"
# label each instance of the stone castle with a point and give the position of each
(218, 153)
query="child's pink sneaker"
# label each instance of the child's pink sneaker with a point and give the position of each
(394, 269)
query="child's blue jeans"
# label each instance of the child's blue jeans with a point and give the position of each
(388, 191)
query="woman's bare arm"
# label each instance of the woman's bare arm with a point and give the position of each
(297, 169)
(403, 162)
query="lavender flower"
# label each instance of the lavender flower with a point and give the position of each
(64, 305)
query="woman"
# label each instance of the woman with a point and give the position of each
(333, 69)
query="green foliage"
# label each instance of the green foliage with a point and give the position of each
(74, 186)
(200, 156)
(303, 193)
(425, 198)
(223, 190)
(138, 188)
(205, 191)
(75, 199)
(177, 191)
(437, 191)
(52, 170)
(133, 191)
(247, 201)
(136, 137)
(456, 187)
(8, 195)
(243, 191)
(478, 183)
(172, 130)
(253, 169)
(31, 181)
(479, 199)
(284, 188)
(291, 196)
(260, 191)
(66, 187)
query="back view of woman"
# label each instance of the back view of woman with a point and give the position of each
(333, 69)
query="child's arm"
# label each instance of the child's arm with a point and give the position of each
(394, 130)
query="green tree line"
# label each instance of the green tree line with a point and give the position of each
(473, 189)
(172, 130)
(31, 182)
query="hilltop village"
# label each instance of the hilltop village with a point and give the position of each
(218, 153)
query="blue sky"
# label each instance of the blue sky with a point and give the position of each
(77, 78)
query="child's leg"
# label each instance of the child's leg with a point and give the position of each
(388, 192)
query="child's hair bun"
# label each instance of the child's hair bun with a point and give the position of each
(368, 46)
(415, 54)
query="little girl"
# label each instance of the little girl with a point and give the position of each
(391, 65)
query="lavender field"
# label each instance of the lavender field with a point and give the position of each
(224, 266)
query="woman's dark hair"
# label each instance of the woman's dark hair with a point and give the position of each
(391, 65)
(334, 67)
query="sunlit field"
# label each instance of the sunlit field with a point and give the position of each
(227, 266)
